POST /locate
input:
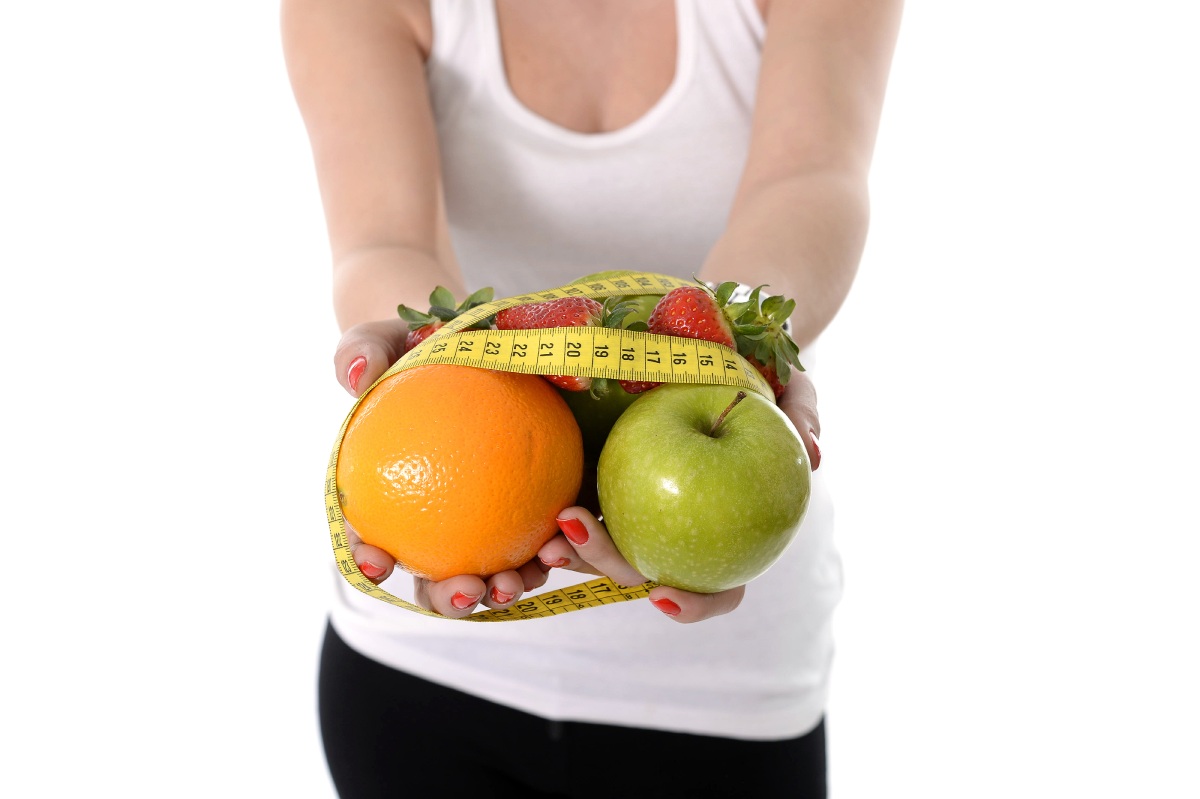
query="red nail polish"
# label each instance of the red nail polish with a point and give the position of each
(355, 373)
(556, 564)
(371, 570)
(462, 601)
(574, 530)
(666, 606)
(499, 597)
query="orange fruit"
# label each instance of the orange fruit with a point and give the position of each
(458, 470)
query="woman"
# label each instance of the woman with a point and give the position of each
(520, 144)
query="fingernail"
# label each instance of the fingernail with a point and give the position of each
(666, 606)
(816, 448)
(462, 601)
(499, 597)
(355, 372)
(574, 530)
(371, 570)
(556, 564)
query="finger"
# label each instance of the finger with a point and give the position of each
(686, 607)
(454, 597)
(376, 564)
(557, 553)
(533, 574)
(799, 402)
(503, 589)
(813, 447)
(366, 351)
(592, 544)
(800, 393)
(373, 562)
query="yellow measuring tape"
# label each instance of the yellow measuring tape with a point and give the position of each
(590, 351)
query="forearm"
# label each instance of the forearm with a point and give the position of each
(369, 283)
(802, 235)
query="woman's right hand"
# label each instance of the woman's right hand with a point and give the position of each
(366, 351)
(455, 596)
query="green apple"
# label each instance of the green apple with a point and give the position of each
(702, 491)
(596, 412)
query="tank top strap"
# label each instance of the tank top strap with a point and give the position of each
(729, 33)
(458, 58)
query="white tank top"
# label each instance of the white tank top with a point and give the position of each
(532, 205)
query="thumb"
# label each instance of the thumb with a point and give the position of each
(585, 543)
(366, 351)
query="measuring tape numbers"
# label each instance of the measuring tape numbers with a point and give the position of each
(588, 351)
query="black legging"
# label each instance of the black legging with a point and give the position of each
(389, 734)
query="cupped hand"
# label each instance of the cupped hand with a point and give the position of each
(585, 546)
(456, 596)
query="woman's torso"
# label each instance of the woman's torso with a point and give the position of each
(541, 188)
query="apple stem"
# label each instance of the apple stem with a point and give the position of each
(741, 395)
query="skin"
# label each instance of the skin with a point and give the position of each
(798, 223)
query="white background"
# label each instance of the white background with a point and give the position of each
(1008, 399)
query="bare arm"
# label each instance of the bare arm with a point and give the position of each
(357, 69)
(799, 220)
(358, 74)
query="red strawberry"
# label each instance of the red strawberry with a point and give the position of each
(419, 334)
(769, 374)
(754, 329)
(691, 312)
(687, 312)
(564, 312)
(422, 325)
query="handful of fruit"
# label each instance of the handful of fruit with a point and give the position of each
(700, 486)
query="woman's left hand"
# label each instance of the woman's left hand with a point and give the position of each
(585, 546)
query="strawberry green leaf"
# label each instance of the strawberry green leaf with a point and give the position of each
(750, 331)
(612, 317)
(414, 317)
(443, 313)
(786, 356)
(599, 388)
(783, 371)
(725, 291)
(441, 298)
(740, 311)
(484, 294)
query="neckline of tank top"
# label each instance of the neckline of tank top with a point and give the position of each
(685, 57)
